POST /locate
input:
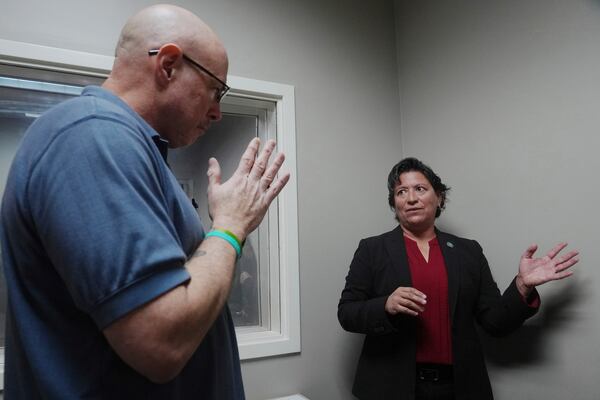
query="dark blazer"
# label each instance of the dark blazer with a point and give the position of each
(386, 368)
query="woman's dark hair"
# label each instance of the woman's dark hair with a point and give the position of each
(412, 164)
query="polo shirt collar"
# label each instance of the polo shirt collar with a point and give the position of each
(97, 91)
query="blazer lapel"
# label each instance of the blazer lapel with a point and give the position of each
(394, 245)
(448, 247)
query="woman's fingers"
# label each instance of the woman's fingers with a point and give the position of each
(406, 300)
(556, 249)
(529, 251)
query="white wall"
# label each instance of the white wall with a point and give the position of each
(340, 56)
(502, 98)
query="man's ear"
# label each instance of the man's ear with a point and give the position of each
(168, 60)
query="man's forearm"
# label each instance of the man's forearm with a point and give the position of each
(158, 338)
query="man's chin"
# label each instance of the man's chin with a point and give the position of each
(201, 131)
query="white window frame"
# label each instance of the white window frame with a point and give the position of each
(284, 338)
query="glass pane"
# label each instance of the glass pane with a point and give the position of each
(225, 141)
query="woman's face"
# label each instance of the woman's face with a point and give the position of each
(415, 202)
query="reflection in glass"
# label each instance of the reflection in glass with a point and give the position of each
(226, 142)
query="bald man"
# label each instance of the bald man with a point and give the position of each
(115, 291)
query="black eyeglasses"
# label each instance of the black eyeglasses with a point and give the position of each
(220, 93)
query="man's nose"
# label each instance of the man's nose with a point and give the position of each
(214, 112)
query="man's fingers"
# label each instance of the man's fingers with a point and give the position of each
(260, 164)
(277, 186)
(247, 160)
(214, 172)
(271, 172)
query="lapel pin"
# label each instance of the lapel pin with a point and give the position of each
(450, 244)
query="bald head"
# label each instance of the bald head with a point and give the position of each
(159, 24)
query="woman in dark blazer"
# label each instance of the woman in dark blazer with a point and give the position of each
(417, 294)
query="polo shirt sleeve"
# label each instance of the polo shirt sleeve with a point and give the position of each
(97, 197)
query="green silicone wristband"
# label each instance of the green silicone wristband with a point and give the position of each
(232, 240)
(232, 235)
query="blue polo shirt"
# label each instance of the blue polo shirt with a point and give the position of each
(94, 225)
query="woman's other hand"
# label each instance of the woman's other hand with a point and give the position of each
(537, 271)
